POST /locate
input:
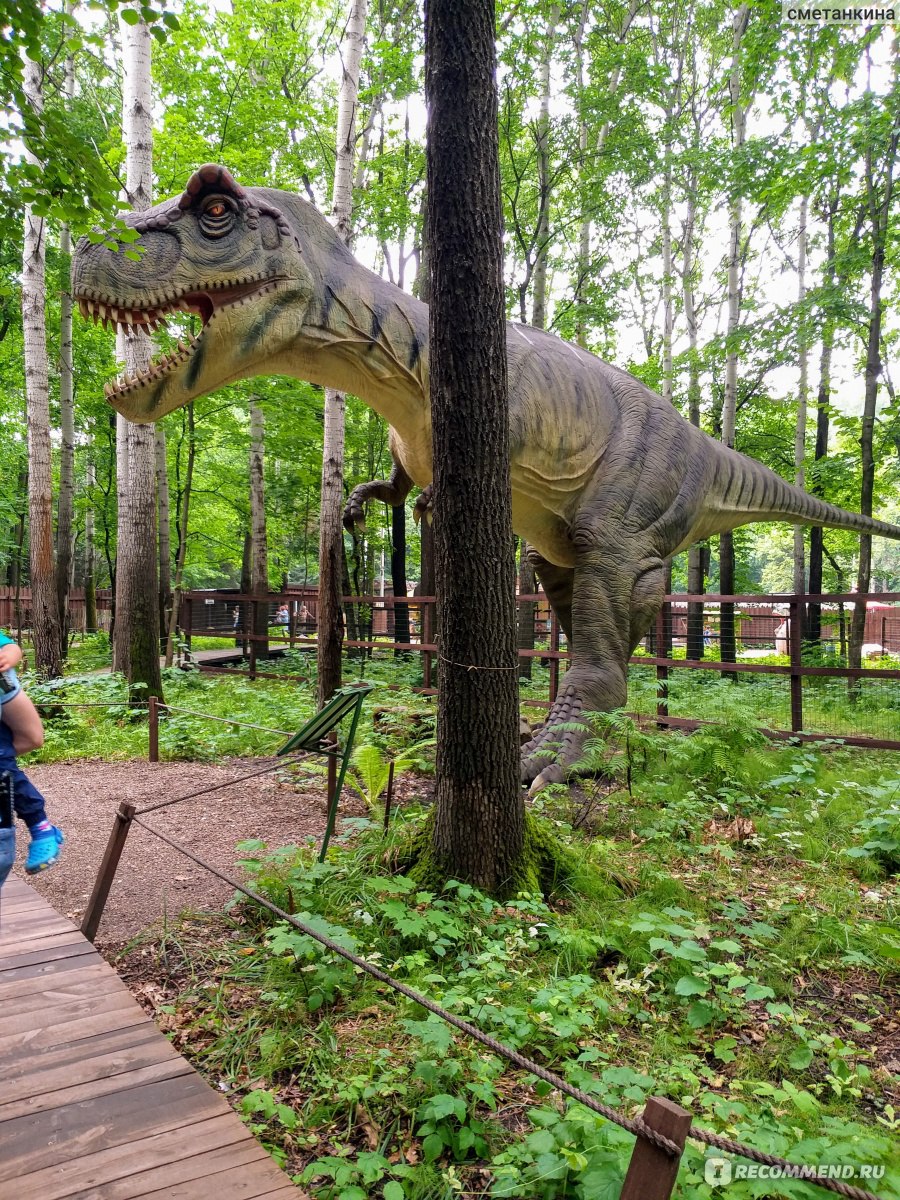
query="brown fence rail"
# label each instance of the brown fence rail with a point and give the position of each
(15, 609)
(795, 688)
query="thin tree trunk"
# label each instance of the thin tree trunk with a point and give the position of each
(331, 538)
(697, 554)
(879, 217)
(727, 641)
(398, 574)
(65, 534)
(165, 540)
(46, 625)
(802, 396)
(181, 551)
(90, 553)
(137, 569)
(542, 238)
(259, 555)
(479, 810)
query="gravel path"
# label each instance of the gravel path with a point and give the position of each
(153, 880)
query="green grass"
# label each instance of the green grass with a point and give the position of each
(737, 954)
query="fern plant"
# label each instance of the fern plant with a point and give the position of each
(370, 769)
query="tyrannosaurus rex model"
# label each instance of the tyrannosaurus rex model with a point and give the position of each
(608, 480)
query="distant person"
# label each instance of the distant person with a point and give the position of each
(282, 615)
(305, 617)
(21, 730)
(707, 636)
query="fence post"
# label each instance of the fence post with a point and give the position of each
(662, 672)
(795, 645)
(107, 872)
(254, 614)
(153, 712)
(652, 1172)
(554, 662)
(389, 796)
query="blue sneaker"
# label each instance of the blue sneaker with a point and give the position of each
(44, 849)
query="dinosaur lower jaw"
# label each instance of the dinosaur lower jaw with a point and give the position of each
(209, 304)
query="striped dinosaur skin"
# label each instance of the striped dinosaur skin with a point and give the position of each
(608, 480)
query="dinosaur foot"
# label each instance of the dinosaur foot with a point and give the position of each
(558, 745)
(423, 507)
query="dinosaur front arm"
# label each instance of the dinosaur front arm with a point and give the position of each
(391, 491)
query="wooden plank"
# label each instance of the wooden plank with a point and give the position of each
(54, 968)
(26, 941)
(32, 1142)
(71, 1031)
(75, 1060)
(34, 923)
(84, 978)
(65, 1013)
(92, 1089)
(92, 1174)
(183, 1166)
(72, 945)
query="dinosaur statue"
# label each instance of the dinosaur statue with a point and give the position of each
(608, 480)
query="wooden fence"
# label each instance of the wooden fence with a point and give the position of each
(767, 626)
(15, 609)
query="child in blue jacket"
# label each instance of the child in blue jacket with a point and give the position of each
(20, 731)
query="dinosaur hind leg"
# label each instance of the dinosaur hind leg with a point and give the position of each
(616, 592)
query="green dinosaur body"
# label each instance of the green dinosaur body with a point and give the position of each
(608, 480)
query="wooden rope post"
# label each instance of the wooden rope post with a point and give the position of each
(652, 1172)
(107, 872)
(153, 732)
(389, 796)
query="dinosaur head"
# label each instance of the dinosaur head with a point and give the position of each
(220, 251)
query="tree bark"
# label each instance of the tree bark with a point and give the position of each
(46, 625)
(165, 539)
(698, 553)
(137, 569)
(90, 553)
(65, 534)
(802, 396)
(259, 554)
(331, 535)
(879, 209)
(727, 641)
(181, 551)
(479, 810)
(398, 574)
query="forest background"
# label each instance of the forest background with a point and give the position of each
(703, 195)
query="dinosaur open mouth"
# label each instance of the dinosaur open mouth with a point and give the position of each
(206, 303)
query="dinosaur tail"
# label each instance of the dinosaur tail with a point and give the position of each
(743, 490)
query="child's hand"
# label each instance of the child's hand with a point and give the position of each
(10, 657)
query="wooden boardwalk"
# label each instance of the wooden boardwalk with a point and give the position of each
(95, 1104)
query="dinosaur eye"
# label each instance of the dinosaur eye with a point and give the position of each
(217, 216)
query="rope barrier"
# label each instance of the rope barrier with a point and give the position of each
(192, 712)
(635, 1125)
(217, 787)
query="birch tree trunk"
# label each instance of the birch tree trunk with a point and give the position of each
(727, 643)
(698, 552)
(45, 622)
(137, 577)
(331, 537)
(259, 549)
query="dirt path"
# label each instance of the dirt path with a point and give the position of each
(153, 880)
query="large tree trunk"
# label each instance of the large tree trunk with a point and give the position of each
(727, 642)
(331, 537)
(137, 608)
(479, 812)
(46, 625)
(259, 552)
